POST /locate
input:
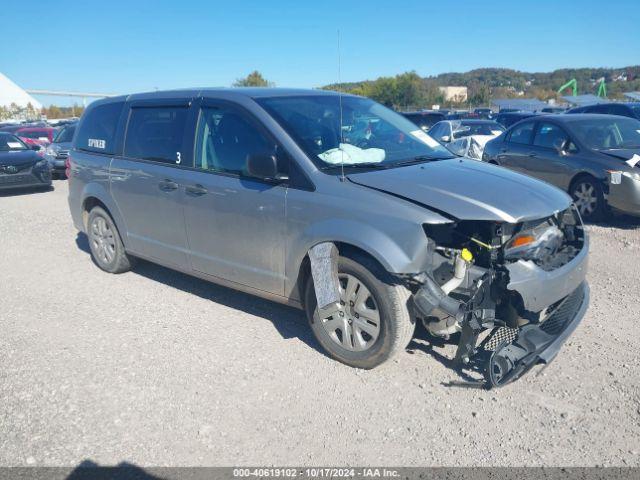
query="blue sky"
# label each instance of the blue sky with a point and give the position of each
(114, 46)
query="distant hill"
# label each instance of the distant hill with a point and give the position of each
(485, 84)
(618, 80)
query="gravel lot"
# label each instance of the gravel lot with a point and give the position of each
(156, 368)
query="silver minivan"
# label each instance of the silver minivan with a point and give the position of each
(339, 206)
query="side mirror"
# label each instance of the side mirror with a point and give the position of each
(34, 146)
(445, 138)
(263, 166)
(561, 147)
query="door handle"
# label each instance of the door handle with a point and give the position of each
(533, 154)
(168, 185)
(196, 190)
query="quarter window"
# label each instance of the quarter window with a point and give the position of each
(225, 140)
(522, 133)
(156, 133)
(549, 136)
(96, 132)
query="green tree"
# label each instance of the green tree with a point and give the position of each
(254, 79)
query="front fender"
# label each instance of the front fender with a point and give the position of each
(406, 254)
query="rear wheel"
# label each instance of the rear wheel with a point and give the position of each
(107, 249)
(372, 324)
(589, 198)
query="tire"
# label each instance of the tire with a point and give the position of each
(395, 325)
(107, 249)
(588, 196)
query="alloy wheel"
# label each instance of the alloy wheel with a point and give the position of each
(586, 198)
(102, 240)
(354, 323)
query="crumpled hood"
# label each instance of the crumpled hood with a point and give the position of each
(469, 190)
(19, 157)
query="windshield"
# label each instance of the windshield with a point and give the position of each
(65, 135)
(371, 134)
(606, 134)
(485, 128)
(10, 142)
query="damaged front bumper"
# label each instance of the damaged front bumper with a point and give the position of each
(510, 353)
(624, 194)
(511, 315)
(540, 288)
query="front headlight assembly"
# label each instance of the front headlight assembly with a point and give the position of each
(633, 175)
(535, 243)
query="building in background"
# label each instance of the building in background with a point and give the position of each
(454, 94)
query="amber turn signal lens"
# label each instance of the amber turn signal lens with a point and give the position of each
(522, 241)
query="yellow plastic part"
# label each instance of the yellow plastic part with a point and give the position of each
(466, 255)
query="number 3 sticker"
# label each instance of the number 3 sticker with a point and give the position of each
(179, 159)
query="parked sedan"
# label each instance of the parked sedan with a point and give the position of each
(484, 113)
(36, 135)
(425, 119)
(506, 119)
(465, 137)
(56, 153)
(20, 166)
(593, 157)
(628, 109)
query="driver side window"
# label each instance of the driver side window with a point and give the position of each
(225, 139)
(549, 136)
(522, 133)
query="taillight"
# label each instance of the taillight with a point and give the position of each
(67, 166)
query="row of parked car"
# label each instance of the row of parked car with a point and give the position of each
(591, 151)
(425, 119)
(49, 143)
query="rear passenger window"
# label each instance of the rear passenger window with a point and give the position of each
(522, 133)
(156, 133)
(225, 139)
(97, 129)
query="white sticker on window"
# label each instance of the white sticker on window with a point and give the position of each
(43, 139)
(424, 138)
(14, 144)
(633, 160)
(97, 143)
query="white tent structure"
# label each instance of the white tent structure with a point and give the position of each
(12, 93)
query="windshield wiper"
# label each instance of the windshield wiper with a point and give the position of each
(347, 166)
(422, 159)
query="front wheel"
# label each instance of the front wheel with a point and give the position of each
(589, 198)
(372, 323)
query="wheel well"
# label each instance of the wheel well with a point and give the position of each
(345, 250)
(580, 176)
(88, 204)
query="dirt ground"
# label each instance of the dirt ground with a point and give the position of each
(156, 368)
